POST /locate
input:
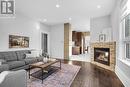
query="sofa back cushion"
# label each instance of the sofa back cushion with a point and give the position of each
(2, 59)
(1, 55)
(22, 54)
(10, 56)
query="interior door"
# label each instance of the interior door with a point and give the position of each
(44, 42)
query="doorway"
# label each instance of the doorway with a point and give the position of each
(80, 46)
(44, 43)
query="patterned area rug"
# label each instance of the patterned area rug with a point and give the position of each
(61, 78)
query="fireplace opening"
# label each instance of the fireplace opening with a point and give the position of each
(102, 55)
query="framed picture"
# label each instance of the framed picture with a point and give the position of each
(102, 37)
(18, 41)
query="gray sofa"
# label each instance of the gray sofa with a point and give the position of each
(16, 60)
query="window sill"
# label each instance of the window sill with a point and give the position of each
(127, 62)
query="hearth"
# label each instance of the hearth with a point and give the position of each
(102, 55)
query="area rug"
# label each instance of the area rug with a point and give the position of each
(61, 78)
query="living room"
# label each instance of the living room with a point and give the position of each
(37, 34)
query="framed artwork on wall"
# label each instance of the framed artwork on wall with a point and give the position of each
(18, 41)
(102, 37)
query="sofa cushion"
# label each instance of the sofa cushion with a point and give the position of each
(10, 56)
(15, 64)
(22, 54)
(4, 67)
(2, 61)
(30, 60)
(1, 55)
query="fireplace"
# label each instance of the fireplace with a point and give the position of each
(108, 52)
(102, 55)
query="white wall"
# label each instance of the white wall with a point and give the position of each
(57, 41)
(81, 25)
(122, 68)
(22, 26)
(97, 26)
(87, 41)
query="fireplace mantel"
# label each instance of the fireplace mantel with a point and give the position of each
(112, 47)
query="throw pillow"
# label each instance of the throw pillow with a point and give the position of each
(30, 56)
(35, 53)
(2, 61)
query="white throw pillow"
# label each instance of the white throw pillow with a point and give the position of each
(30, 56)
(35, 53)
(2, 61)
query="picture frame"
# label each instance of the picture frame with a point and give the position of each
(18, 41)
(102, 38)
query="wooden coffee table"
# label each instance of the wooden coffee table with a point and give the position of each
(46, 69)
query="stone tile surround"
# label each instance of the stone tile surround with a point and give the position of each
(112, 46)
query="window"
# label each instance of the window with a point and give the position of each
(126, 24)
(127, 48)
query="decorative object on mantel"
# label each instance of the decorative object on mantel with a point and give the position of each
(102, 38)
(18, 41)
(105, 35)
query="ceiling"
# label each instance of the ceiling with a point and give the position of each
(79, 10)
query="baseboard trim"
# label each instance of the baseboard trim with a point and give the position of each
(124, 79)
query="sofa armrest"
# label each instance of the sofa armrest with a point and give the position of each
(14, 79)
(3, 75)
(4, 67)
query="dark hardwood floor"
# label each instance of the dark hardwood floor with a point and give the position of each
(91, 75)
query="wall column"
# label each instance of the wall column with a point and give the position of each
(67, 41)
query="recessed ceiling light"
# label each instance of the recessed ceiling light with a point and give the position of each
(57, 5)
(98, 6)
(70, 19)
(45, 20)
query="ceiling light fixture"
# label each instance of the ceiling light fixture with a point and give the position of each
(45, 20)
(57, 5)
(70, 19)
(98, 6)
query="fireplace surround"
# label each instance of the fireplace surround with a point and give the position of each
(103, 54)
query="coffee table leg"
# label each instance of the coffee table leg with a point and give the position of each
(42, 76)
(29, 71)
(60, 64)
